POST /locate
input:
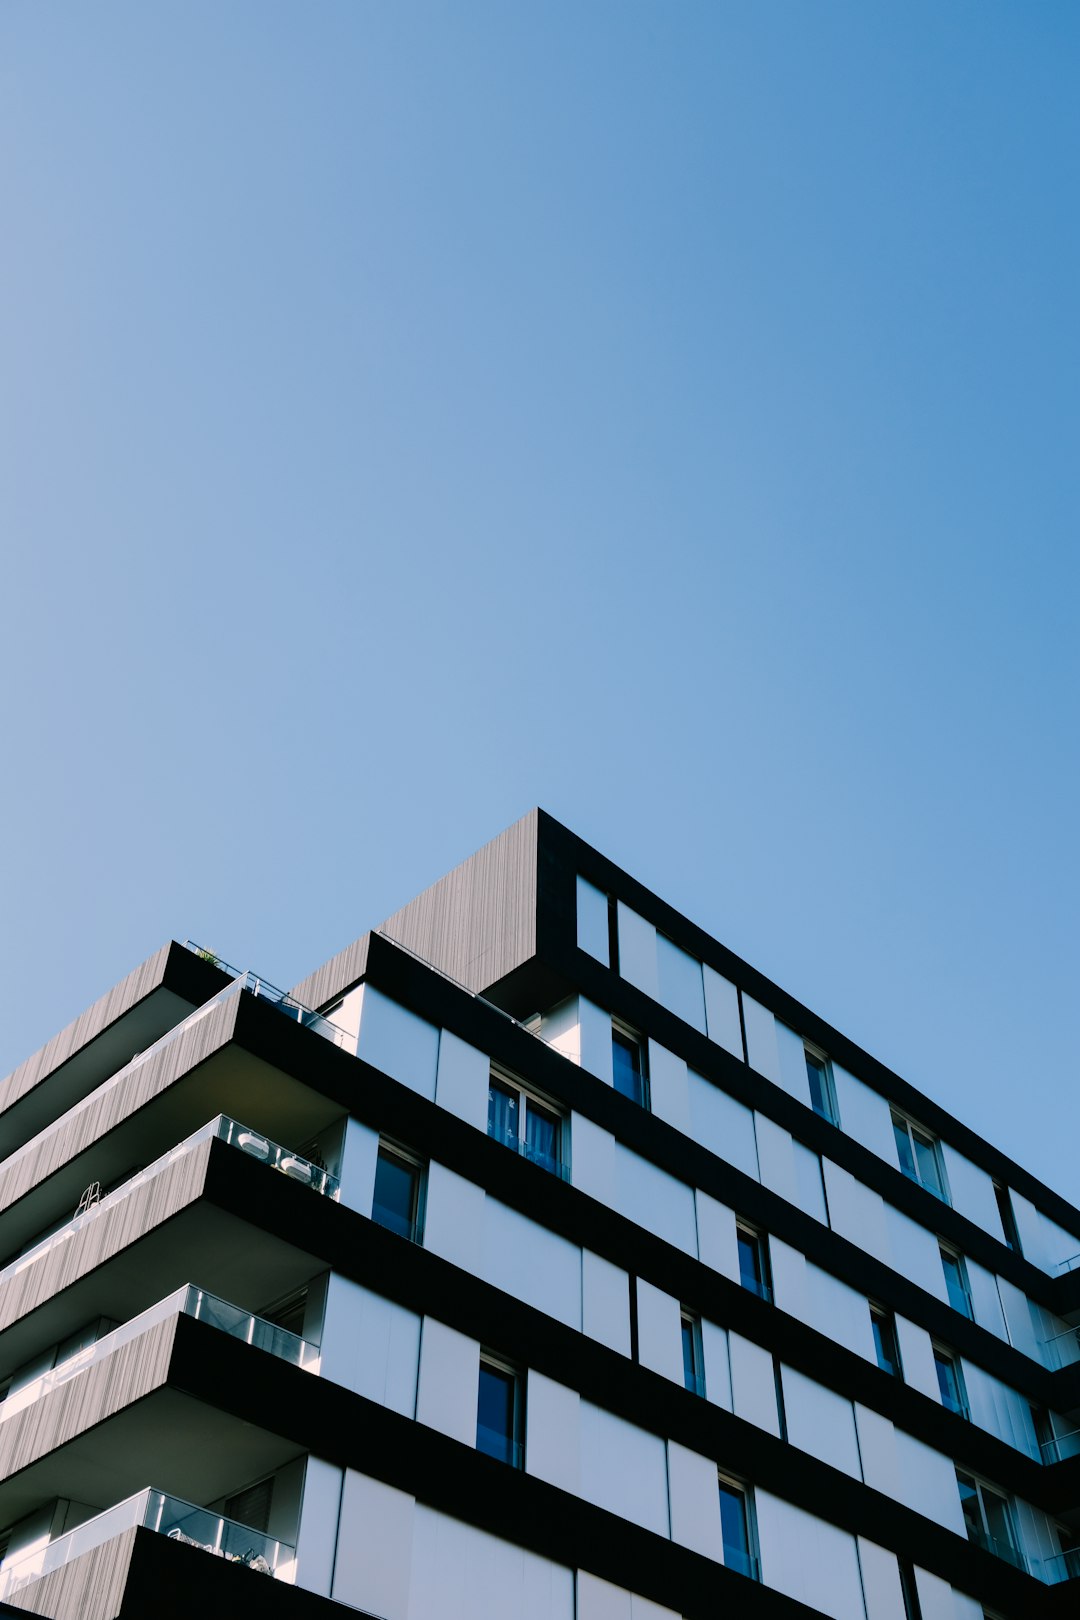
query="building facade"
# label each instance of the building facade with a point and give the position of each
(534, 1257)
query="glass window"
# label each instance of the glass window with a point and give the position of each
(822, 1090)
(1008, 1219)
(737, 1528)
(1049, 1450)
(396, 1204)
(920, 1156)
(630, 1070)
(956, 1282)
(521, 1122)
(950, 1379)
(885, 1345)
(753, 1262)
(499, 1416)
(988, 1518)
(692, 1361)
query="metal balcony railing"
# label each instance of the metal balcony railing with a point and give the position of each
(285, 1003)
(1062, 1350)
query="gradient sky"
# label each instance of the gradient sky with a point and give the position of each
(664, 413)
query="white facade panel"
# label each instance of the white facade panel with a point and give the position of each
(600, 1600)
(857, 1212)
(454, 1218)
(623, 1469)
(864, 1115)
(792, 1054)
(659, 1331)
(877, 1448)
(462, 1573)
(560, 1028)
(820, 1422)
(461, 1084)
(553, 1432)
(939, 1601)
(531, 1263)
(1000, 1410)
(592, 1160)
(808, 1559)
(776, 1158)
(374, 1547)
(370, 1345)
(788, 1268)
(605, 1302)
(668, 1087)
(722, 1125)
(917, 1357)
(927, 1482)
(648, 1195)
(358, 1157)
(594, 1036)
(881, 1582)
(695, 1502)
(449, 1381)
(809, 1183)
(985, 1300)
(681, 988)
(972, 1192)
(714, 1354)
(753, 1386)
(839, 1312)
(915, 1253)
(592, 921)
(722, 1011)
(761, 1044)
(398, 1042)
(316, 1539)
(637, 951)
(717, 1243)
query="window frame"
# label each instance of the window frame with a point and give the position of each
(1007, 1217)
(633, 1037)
(760, 1242)
(943, 1356)
(694, 1376)
(404, 1155)
(491, 1361)
(821, 1061)
(989, 1541)
(902, 1122)
(881, 1313)
(752, 1552)
(947, 1252)
(528, 1099)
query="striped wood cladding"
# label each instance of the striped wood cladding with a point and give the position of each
(100, 1392)
(75, 1131)
(89, 1588)
(89, 1024)
(161, 1197)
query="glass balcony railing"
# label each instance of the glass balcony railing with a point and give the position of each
(153, 1510)
(1062, 1350)
(496, 1443)
(996, 1545)
(1060, 1446)
(1064, 1567)
(307, 1017)
(249, 1141)
(742, 1562)
(186, 1301)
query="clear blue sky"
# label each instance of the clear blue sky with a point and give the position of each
(664, 413)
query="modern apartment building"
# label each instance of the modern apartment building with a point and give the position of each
(535, 1257)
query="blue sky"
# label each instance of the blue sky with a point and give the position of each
(666, 414)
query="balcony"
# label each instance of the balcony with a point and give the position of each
(1063, 1350)
(1064, 1567)
(152, 1509)
(244, 979)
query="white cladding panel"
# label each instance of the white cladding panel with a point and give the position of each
(915, 1253)
(714, 1353)
(864, 1114)
(808, 1559)
(659, 1331)
(316, 1539)
(605, 1302)
(553, 1435)
(668, 1087)
(594, 1036)
(681, 989)
(788, 1268)
(877, 1447)
(374, 1547)
(532, 1263)
(927, 1482)
(1032, 1233)
(722, 1125)
(917, 1357)
(449, 1381)
(398, 1042)
(881, 1582)
(592, 921)
(648, 1195)
(722, 1011)
(718, 1246)
(809, 1184)
(985, 1301)
(792, 1053)
(839, 1312)
(857, 1212)
(695, 1502)
(358, 1156)
(776, 1158)
(461, 1084)
(820, 1422)
(462, 1573)
(972, 1192)
(761, 1039)
(1001, 1410)
(623, 1469)
(370, 1345)
(592, 1159)
(599, 1600)
(939, 1601)
(637, 951)
(1026, 1329)
(454, 1218)
(753, 1386)
(559, 1028)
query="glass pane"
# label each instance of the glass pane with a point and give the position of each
(885, 1344)
(998, 1518)
(689, 1355)
(626, 1062)
(495, 1413)
(948, 1377)
(903, 1148)
(735, 1529)
(542, 1136)
(394, 1204)
(955, 1283)
(503, 1114)
(820, 1100)
(750, 1267)
(969, 1503)
(926, 1160)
